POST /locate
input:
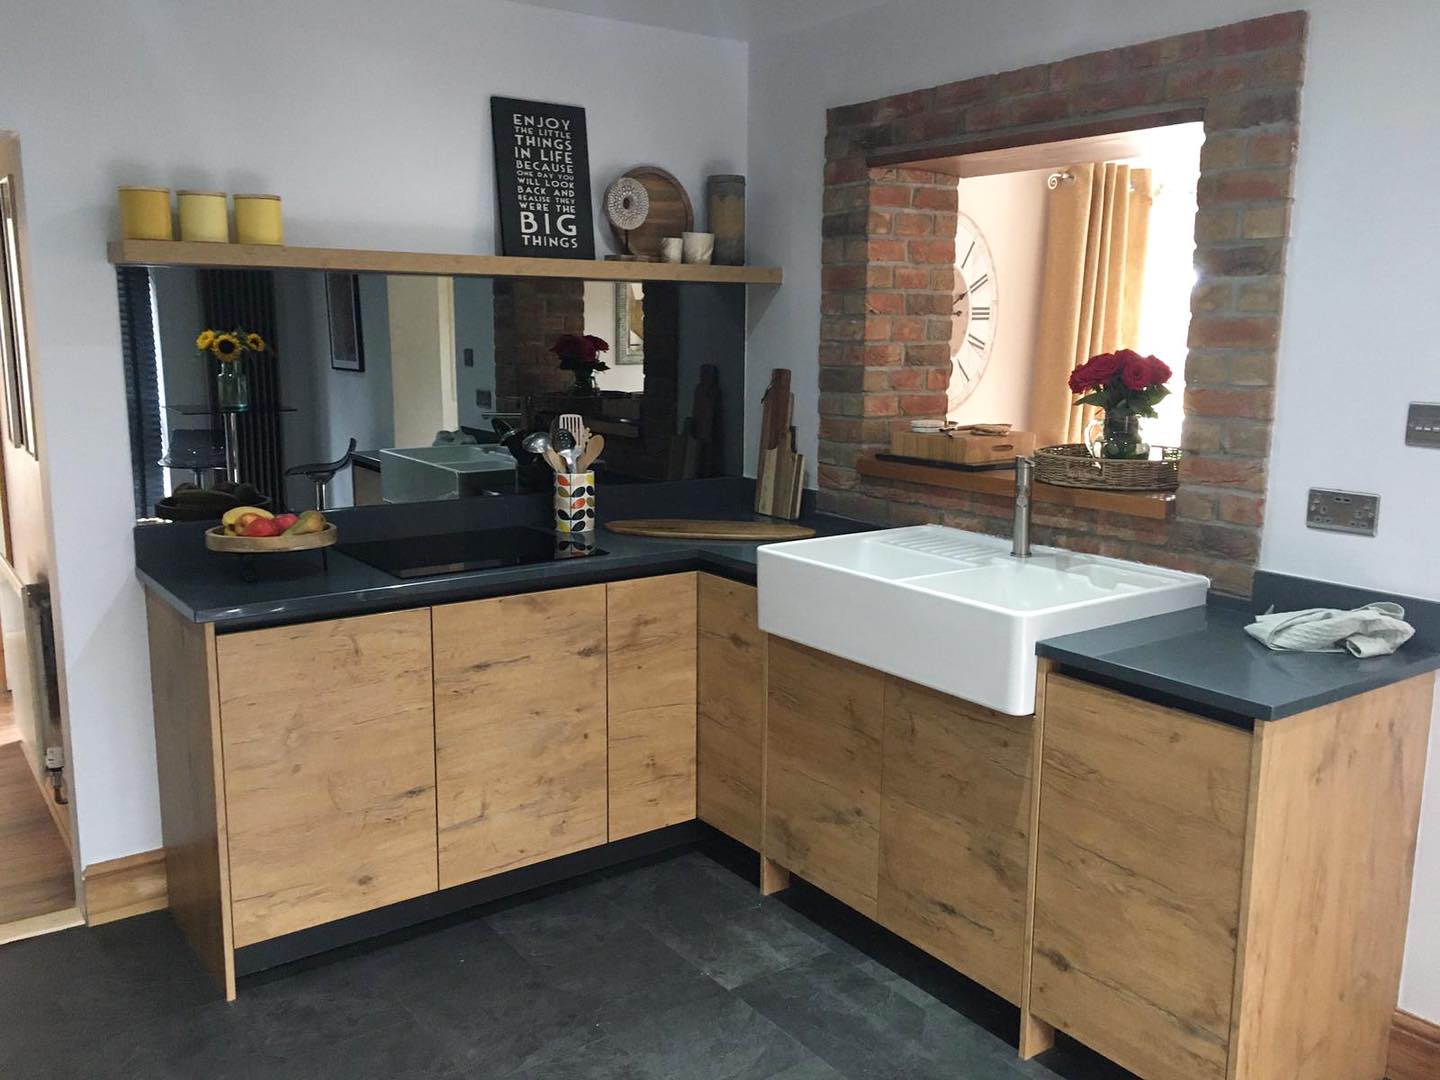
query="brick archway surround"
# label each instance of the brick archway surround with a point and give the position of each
(887, 274)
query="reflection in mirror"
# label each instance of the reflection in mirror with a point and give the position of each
(434, 379)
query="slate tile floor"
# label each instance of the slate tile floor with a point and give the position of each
(672, 969)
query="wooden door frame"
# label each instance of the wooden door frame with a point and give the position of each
(38, 561)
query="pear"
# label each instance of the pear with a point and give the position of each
(311, 521)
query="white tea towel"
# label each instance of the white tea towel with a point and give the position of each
(1372, 630)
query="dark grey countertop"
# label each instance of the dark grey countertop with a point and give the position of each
(1202, 658)
(1199, 659)
(208, 587)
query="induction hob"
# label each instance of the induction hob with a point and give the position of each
(463, 552)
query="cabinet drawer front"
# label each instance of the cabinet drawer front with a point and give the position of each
(1141, 854)
(822, 771)
(954, 832)
(651, 663)
(519, 730)
(329, 769)
(731, 708)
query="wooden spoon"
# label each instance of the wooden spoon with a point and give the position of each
(594, 447)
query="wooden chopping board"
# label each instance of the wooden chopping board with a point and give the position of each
(688, 529)
(671, 212)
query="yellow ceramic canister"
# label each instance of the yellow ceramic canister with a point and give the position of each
(203, 216)
(145, 214)
(257, 220)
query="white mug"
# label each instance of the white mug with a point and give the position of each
(699, 247)
(672, 249)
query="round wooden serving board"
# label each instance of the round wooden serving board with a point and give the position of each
(671, 212)
(687, 529)
(216, 540)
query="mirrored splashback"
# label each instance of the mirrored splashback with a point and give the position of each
(432, 379)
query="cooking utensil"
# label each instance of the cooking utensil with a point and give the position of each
(563, 443)
(574, 423)
(537, 442)
(554, 460)
(594, 447)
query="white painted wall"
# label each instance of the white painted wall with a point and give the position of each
(1358, 339)
(374, 124)
(1010, 209)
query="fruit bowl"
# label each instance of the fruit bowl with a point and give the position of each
(217, 539)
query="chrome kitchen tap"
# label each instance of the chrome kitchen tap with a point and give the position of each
(1024, 482)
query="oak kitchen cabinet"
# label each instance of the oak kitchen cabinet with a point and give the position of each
(329, 751)
(822, 771)
(318, 771)
(731, 712)
(909, 805)
(520, 754)
(1216, 902)
(1191, 897)
(955, 832)
(650, 630)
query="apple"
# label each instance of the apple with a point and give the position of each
(260, 527)
(286, 520)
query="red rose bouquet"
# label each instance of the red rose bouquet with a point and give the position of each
(580, 354)
(1127, 386)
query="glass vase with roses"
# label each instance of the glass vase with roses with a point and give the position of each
(1127, 386)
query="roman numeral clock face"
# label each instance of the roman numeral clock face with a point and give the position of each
(976, 303)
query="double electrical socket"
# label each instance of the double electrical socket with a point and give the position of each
(1422, 424)
(1343, 511)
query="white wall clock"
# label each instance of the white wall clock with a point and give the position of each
(975, 308)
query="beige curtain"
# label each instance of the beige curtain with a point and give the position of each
(1094, 269)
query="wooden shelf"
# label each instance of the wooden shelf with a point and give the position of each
(1156, 505)
(344, 260)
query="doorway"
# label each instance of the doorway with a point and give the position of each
(37, 866)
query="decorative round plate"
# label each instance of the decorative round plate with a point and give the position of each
(627, 203)
(217, 540)
(671, 212)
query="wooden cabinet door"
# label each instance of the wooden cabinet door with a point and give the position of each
(329, 762)
(652, 703)
(1141, 854)
(519, 730)
(822, 771)
(954, 832)
(732, 709)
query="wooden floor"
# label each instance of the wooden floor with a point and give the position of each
(35, 874)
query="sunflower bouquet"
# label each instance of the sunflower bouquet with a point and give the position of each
(228, 346)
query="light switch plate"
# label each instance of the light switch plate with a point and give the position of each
(1422, 424)
(1343, 511)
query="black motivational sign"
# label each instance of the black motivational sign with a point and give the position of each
(542, 175)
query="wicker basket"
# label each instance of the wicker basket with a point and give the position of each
(1073, 465)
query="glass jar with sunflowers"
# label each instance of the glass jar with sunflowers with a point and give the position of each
(228, 349)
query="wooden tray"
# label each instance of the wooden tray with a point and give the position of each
(962, 448)
(671, 212)
(687, 529)
(216, 540)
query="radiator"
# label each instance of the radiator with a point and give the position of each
(29, 640)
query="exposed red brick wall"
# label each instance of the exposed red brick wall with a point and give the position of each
(530, 314)
(888, 276)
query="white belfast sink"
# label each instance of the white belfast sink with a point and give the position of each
(953, 610)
